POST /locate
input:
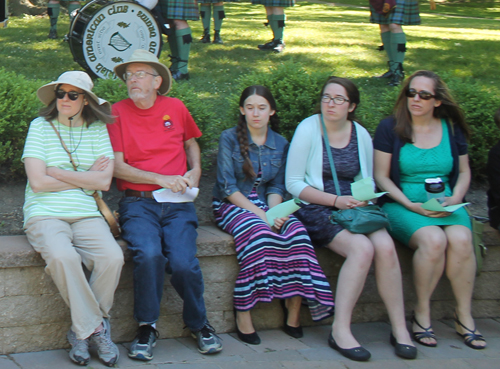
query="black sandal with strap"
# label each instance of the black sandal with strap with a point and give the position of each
(420, 336)
(470, 336)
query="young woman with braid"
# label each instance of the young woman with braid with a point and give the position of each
(275, 262)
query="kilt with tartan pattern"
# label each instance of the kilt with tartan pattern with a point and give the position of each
(179, 9)
(406, 13)
(280, 3)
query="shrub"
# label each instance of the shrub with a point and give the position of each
(18, 107)
(479, 104)
(294, 90)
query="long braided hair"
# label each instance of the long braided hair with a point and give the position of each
(241, 128)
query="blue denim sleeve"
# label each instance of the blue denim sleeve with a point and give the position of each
(226, 179)
(277, 184)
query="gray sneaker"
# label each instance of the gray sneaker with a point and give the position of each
(141, 347)
(207, 339)
(79, 352)
(106, 349)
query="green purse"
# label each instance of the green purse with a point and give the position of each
(362, 220)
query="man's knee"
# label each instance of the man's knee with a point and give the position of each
(185, 269)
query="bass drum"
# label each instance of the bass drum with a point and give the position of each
(105, 33)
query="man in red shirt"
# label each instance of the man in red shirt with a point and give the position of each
(154, 139)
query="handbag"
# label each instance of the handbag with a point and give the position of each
(109, 216)
(477, 241)
(362, 220)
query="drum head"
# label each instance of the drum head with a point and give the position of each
(106, 33)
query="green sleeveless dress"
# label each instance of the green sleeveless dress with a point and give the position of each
(416, 165)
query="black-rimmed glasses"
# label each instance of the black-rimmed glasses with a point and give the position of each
(337, 100)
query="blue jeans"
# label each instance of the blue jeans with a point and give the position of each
(162, 237)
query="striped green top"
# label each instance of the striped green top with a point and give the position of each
(42, 143)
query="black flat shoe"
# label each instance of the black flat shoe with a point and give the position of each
(355, 353)
(295, 332)
(250, 338)
(402, 350)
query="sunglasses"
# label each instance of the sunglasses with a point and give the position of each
(424, 95)
(72, 95)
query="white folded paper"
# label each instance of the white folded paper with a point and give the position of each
(282, 210)
(166, 195)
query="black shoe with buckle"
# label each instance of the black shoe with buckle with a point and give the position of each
(178, 76)
(206, 37)
(268, 45)
(387, 74)
(398, 75)
(279, 46)
(52, 34)
(217, 39)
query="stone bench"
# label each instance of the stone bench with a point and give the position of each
(33, 317)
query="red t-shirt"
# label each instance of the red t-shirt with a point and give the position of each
(152, 139)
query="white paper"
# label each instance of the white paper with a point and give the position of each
(282, 210)
(166, 195)
(362, 190)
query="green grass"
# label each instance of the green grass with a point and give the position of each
(320, 37)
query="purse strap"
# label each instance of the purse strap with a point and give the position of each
(330, 157)
(95, 195)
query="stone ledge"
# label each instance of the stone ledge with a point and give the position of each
(16, 251)
(33, 316)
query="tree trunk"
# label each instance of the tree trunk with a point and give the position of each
(20, 7)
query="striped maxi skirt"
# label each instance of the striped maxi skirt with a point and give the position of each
(273, 265)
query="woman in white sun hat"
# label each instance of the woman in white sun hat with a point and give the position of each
(67, 157)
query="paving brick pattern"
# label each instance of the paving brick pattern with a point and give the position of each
(279, 351)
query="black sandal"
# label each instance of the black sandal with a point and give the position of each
(470, 336)
(427, 333)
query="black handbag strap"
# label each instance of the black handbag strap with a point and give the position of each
(330, 157)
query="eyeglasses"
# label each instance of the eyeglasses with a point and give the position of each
(139, 74)
(72, 95)
(337, 100)
(424, 95)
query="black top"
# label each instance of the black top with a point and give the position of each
(493, 170)
(388, 141)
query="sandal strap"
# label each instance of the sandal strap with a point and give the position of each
(463, 326)
(469, 337)
(428, 333)
(428, 329)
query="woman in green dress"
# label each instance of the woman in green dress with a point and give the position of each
(426, 138)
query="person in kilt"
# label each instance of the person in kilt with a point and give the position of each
(177, 13)
(206, 14)
(393, 37)
(275, 10)
(53, 10)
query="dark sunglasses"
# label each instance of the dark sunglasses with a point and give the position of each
(72, 95)
(424, 95)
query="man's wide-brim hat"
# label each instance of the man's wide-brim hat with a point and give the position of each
(81, 80)
(145, 57)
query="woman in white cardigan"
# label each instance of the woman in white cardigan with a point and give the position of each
(309, 177)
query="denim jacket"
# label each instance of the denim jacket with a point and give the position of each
(271, 157)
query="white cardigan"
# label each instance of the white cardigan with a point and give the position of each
(304, 165)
